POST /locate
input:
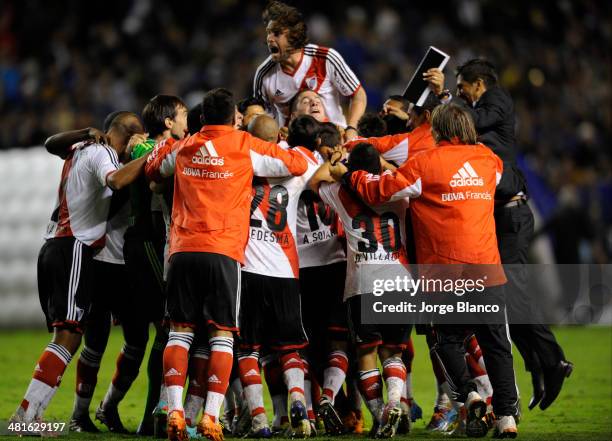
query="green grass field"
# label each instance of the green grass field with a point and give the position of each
(582, 412)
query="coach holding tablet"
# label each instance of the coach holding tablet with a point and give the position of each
(493, 112)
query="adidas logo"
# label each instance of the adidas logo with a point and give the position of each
(207, 155)
(278, 92)
(172, 372)
(466, 176)
(251, 373)
(214, 379)
(374, 387)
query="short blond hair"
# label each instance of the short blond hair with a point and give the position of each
(452, 123)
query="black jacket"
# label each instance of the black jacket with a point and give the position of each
(494, 118)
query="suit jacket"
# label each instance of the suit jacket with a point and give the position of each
(494, 119)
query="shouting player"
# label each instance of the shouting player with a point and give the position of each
(295, 65)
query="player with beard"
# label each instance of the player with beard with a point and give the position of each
(295, 65)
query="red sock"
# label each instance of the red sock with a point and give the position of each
(293, 372)
(198, 368)
(88, 366)
(52, 364)
(250, 377)
(219, 371)
(128, 364)
(370, 384)
(175, 362)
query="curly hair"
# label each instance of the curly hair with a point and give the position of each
(289, 18)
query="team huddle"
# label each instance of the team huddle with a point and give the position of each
(249, 232)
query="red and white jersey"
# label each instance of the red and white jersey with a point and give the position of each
(399, 147)
(115, 232)
(317, 231)
(376, 238)
(320, 69)
(83, 197)
(272, 249)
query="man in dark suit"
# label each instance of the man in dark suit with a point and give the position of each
(493, 112)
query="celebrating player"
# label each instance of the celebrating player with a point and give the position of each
(295, 65)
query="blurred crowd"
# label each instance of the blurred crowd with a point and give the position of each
(66, 64)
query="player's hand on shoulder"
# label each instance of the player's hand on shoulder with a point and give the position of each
(97, 136)
(283, 134)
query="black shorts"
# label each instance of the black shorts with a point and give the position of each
(368, 335)
(324, 312)
(144, 260)
(271, 314)
(204, 289)
(113, 292)
(65, 282)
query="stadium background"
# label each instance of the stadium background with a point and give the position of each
(66, 64)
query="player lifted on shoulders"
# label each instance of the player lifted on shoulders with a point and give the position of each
(295, 65)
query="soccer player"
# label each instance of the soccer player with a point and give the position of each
(294, 65)
(210, 225)
(77, 229)
(373, 234)
(396, 114)
(425, 178)
(399, 147)
(250, 108)
(308, 102)
(271, 307)
(164, 116)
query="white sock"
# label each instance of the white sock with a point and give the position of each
(193, 405)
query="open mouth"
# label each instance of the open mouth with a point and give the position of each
(273, 49)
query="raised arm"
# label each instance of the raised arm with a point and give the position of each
(61, 143)
(126, 174)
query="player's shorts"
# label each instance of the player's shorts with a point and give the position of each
(323, 311)
(271, 314)
(144, 260)
(394, 336)
(65, 282)
(113, 292)
(204, 290)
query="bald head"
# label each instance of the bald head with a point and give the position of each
(264, 127)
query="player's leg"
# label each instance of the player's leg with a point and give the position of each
(443, 410)
(65, 286)
(285, 334)
(197, 369)
(416, 412)
(273, 375)
(254, 311)
(395, 340)
(135, 334)
(220, 311)
(450, 354)
(95, 340)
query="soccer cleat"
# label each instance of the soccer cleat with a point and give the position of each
(391, 415)
(404, 423)
(416, 413)
(505, 427)
(160, 421)
(359, 424)
(209, 429)
(82, 424)
(299, 420)
(259, 427)
(331, 419)
(438, 421)
(476, 408)
(177, 428)
(110, 418)
(553, 381)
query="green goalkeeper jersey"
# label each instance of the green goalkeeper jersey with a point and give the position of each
(141, 223)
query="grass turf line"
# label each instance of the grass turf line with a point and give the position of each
(582, 412)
